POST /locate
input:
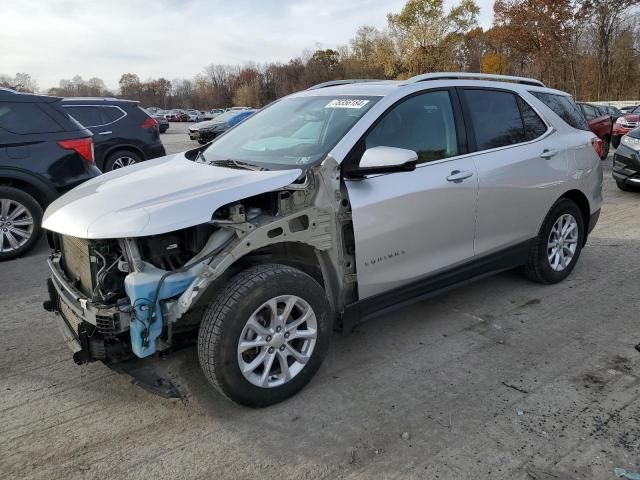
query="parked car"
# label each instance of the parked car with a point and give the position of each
(600, 123)
(123, 133)
(195, 115)
(323, 209)
(206, 131)
(611, 110)
(628, 108)
(626, 162)
(163, 123)
(43, 153)
(213, 113)
(624, 125)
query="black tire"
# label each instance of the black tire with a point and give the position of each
(34, 210)
(606, 147)
(112, 160)
(538, 267)
(615, 141)
(624, 187)
(226, 317)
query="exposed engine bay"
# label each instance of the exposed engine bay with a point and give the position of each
(140, 295)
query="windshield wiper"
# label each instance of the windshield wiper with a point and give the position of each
(237, 164)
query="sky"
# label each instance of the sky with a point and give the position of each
(54, 39)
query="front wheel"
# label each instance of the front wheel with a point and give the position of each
(265, 335)
(557, 247)
(624, 187)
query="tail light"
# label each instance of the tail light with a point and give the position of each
(598, 146)
(149, 123)
(82, 146)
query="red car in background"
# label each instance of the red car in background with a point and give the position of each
(600, 123)
(624, 125)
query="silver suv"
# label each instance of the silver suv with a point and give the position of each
(327, 207)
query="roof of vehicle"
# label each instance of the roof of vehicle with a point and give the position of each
(10, 95)
(99, 100)
(381, 88)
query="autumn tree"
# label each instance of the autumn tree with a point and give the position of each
(606, 18)
(428, 37)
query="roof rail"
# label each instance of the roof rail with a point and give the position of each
(474, 76)
(333, 83)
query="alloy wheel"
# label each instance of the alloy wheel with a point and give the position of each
(277, 341)
(563, 242)
(16, 225)
(122, 162)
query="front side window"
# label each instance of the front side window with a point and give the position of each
(564, 107)
(423, 123)
(496, 118)
(292, 132)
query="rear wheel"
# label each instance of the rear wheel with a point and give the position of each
(615, 141)
(121, 159)
(606, 145)
(20, 220)
(265, 335)
(557, 248)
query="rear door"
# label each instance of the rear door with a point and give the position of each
(411, 225)
(521, 167)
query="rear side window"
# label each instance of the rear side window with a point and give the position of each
(534, 127)
(564, 107)
(94, 115)
(110, 114)
(23, 118)
(590, 112)
(87, 116)
(496, 118)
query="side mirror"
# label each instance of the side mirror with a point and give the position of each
(379, 160)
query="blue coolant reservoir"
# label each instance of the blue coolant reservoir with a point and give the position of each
(146, 323)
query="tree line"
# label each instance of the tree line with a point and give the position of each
(589, 48)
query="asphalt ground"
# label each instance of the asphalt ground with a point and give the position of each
(501, 379)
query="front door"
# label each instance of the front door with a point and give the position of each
(411, 225)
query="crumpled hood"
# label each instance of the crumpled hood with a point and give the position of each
(156, 196)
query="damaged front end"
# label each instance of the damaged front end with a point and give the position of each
(131, 297)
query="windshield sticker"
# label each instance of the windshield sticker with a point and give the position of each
(346, 103)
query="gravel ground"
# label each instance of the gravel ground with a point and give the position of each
(502, 379)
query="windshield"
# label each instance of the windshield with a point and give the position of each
(291, 132)
(636, 110)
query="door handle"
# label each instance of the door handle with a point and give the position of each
(547, 154)
(458, 176)
(105, 133)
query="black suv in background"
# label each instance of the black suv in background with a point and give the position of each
(43, 153)
(123, 133)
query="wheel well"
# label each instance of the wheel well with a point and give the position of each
(126, 148)
(26, 187)
(294, 254)
(583, 204)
